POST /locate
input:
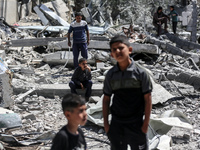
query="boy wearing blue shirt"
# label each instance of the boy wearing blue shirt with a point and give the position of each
(79, 28)
(132, 87)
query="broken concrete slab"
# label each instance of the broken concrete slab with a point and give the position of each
(62, 57)
(185, 76)
(162, 124)
(160, 94)
(50, 90)
(9, 119)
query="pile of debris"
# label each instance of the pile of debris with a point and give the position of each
(36, 66)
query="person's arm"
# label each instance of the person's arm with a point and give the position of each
(75, 77)
(69, 42)
(88, 73)
(147, 112)
(106, 105)
(68, 36)
(88, 37)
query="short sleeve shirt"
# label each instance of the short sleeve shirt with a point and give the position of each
(64, 140)
(128, 87)
(79, 31)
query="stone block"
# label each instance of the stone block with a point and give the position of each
(171, 76)
(152, 41)
(157, 42)
(163, 45)
(183, 77)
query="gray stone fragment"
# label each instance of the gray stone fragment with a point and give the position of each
(29, 116)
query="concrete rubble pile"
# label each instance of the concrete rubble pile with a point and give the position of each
(36, 66)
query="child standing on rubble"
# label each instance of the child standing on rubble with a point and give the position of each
(174, 16)
(79, 28)
(132, 88)
(71, 137)
(81, 79)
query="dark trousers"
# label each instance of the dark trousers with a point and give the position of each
(159, 26)
(174, 25)
(123, 134)
(87, 84)
(79, 47)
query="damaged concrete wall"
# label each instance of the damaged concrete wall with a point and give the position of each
(9, 10)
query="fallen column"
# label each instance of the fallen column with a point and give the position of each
(50, 90)
(173, 50)
(185, 76)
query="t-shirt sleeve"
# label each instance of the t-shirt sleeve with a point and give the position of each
(86, 27)
(60, 142)
(70, 29)
(146, 82)
(107, 90)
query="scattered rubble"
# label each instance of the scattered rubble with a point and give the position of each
(36, 66)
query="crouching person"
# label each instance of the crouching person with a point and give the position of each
(82, 79)
(71, 137)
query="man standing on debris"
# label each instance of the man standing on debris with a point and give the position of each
(71, 137)
(82, 79)
(131, 86)
(158, 19)
(174, 16)
(79, 28)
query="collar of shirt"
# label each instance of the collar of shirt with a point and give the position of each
(129, 68)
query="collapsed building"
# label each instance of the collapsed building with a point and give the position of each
(36, 67)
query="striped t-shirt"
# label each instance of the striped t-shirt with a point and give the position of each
(78, 29)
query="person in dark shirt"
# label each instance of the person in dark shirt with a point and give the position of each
(131, 86)
(81, 79)
(160, 18)
(174, 16)
(71, 137)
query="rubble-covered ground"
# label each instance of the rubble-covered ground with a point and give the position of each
(173, 63)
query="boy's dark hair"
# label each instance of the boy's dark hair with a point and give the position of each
(78, 14)
(71, 101)
(172, 7)
(159, 8)
(120, 38)
(82, 60)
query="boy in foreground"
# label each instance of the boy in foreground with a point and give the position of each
(82, 79)
(132, 88)
(71, 137)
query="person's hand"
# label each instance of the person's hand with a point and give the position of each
(87, 67)
(82, 87)
(174, 15)
(144, 128)
(69, 43)
(88, 42)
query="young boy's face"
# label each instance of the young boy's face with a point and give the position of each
(83, 65)
(78, 18)
(78, 116)
(120, 52)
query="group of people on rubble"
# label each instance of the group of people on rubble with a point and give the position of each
(127, 81)
(160, 18)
